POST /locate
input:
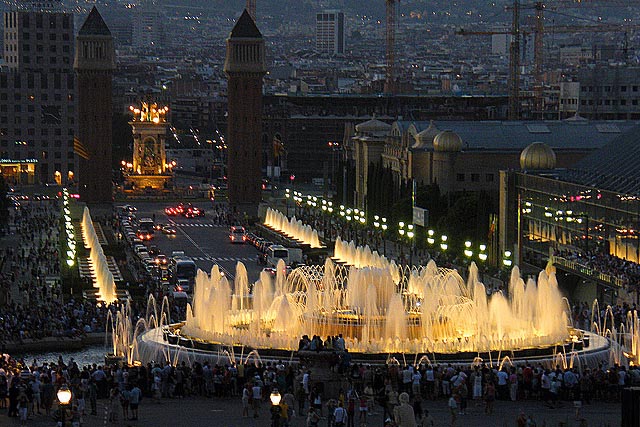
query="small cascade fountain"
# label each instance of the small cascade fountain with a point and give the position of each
(292, 228)
(105, 283)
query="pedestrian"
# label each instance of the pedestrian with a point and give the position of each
(312, 418)
(340, 415)
(23, 408)
(114, 404)
(453, 408)
(403, 413)
(427, 420)
(489, 397)
(256, 398)
(246, 399)
(135, 396)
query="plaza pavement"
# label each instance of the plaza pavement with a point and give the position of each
(228, 413)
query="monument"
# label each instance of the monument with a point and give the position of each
(245, 66)
(149, 171)
(94, 64)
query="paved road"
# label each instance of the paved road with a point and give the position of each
(207, 243)
(228, 413)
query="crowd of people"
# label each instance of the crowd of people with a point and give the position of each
(606, 263)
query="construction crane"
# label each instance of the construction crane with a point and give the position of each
(251, 8)
(390, 85)
(539, 31)
(514, 64)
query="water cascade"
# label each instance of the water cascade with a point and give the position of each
(292, 228)
(104, 278)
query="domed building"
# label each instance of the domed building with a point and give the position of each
(537, 156)
(367, 145)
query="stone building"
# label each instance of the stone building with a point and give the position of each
(94, 65)
(245, 66)
(38, 95)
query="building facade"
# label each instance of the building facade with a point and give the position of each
(94, 65)
(38, 97)
(330, 32)
(245, 67)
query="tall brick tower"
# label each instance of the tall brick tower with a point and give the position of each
(245, 67)
(94, 64)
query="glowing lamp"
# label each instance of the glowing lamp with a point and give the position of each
(275, 397)
(64, 395)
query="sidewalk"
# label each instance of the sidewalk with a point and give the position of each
(215, 412)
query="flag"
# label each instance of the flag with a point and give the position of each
(80, 149)
(278, 147)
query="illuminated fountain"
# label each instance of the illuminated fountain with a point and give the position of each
(360, 256)
(292, 228)
(104, 281)
(429, 312)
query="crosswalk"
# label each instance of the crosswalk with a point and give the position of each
(223, 259)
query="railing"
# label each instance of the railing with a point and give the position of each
(588, 271)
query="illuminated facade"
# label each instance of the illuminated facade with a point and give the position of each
(150, 170)
(38, 95)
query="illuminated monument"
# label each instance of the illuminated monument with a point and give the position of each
(94, 65)
(245, 67)
(149, 170)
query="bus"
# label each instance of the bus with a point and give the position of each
(184, 272)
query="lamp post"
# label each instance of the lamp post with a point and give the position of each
(468, 252)
(64, 398)
(410, 235)
(443, 244)
(275, 407)
(384, 233)
(401, 232)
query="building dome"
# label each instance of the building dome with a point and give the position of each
(448, 141)
(537, 155)
(372, 126)
(425, 138)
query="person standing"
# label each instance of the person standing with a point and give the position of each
(340, 416)
(246, 399)
(135, 395)
(256, 396)
(403, 413)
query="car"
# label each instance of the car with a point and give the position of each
(167, 229)
(144, 235)
(161, 260)
(273, 271)
(190, 211)
(237, 234)
(170, 211)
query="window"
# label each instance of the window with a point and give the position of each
(623, 88)
(460, 177)
(488, 177)
(475, 177)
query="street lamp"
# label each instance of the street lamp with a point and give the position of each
(482, 255)
(430, 239)
(506, 259)
(467, 249)
(384, 239)
(64, 398)
(443, 244)
(275, 407)
(410, 235)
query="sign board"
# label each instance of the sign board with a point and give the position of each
(420, 216)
